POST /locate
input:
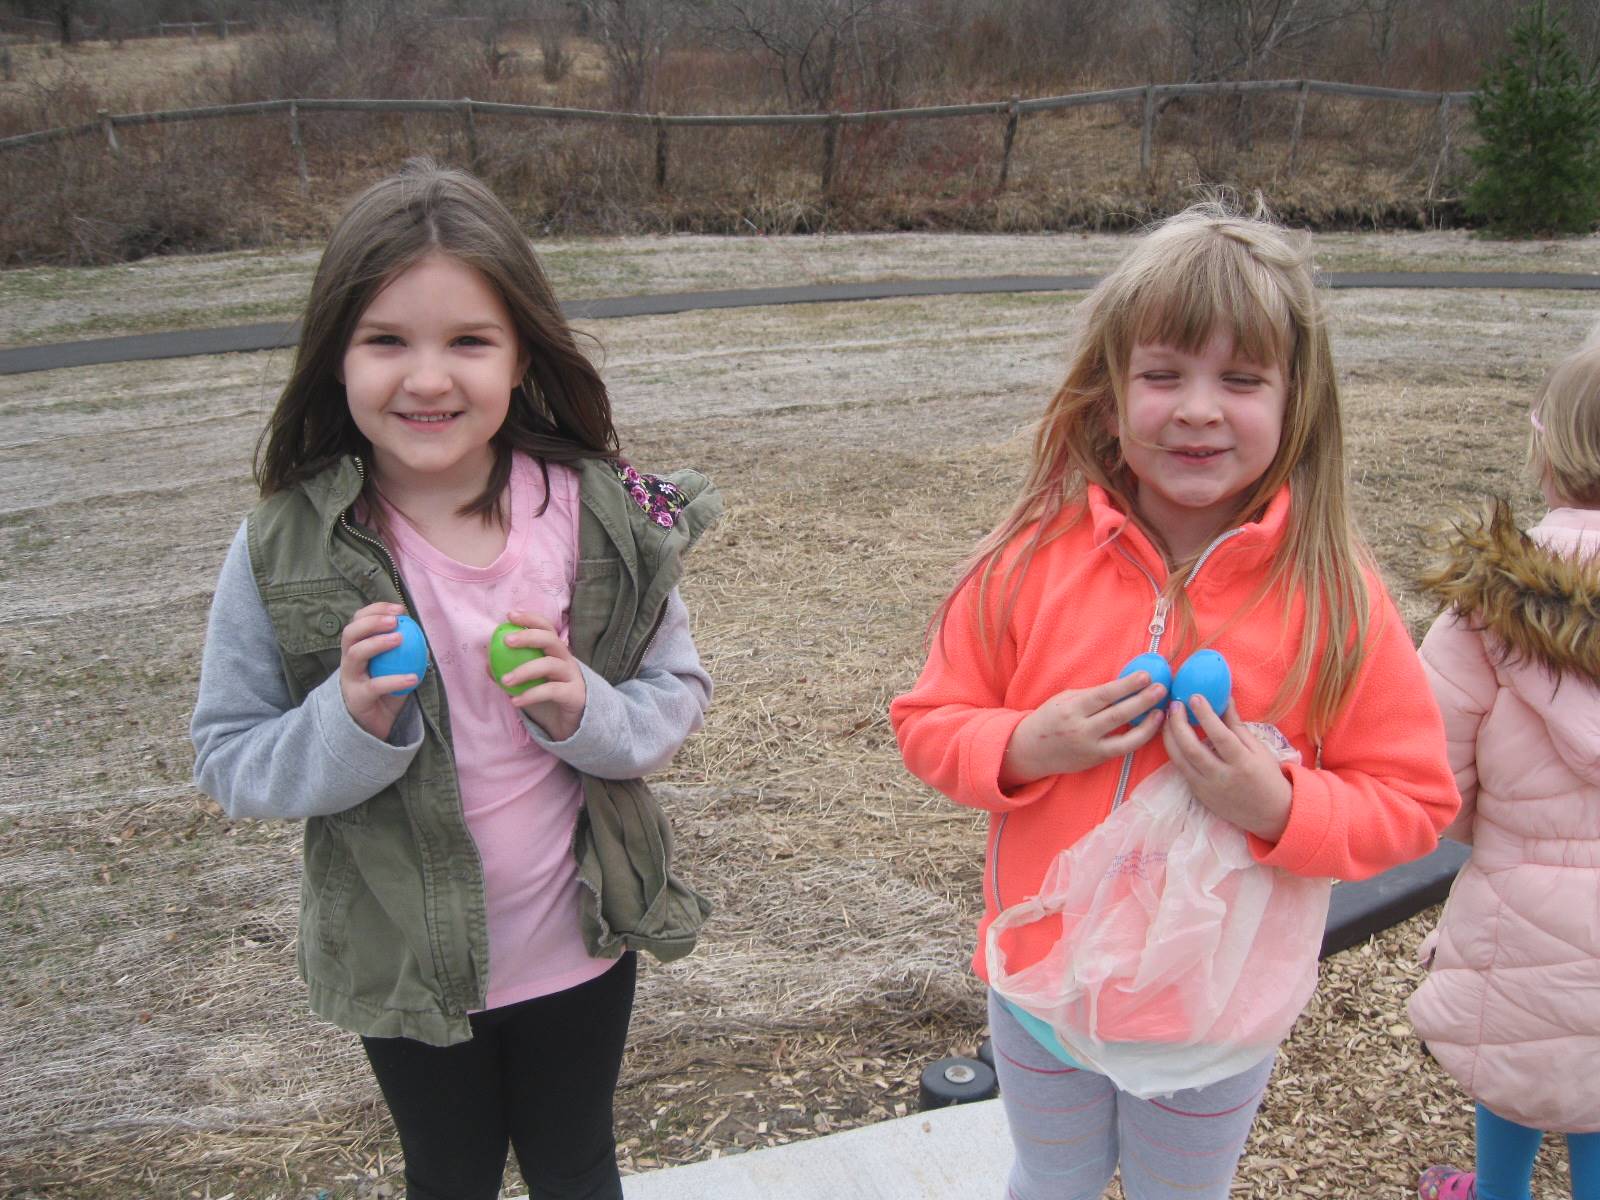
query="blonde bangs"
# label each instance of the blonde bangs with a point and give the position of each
(1184, 294)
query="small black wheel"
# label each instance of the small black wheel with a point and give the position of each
(986, 1052)
(955, 1081)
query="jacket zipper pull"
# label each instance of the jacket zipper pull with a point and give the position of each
(1158, 621)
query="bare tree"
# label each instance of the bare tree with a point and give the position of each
(814, 46)
(634, 35)
(1236, 39)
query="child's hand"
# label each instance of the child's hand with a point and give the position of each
(1077, 729)
(1234, 774)
(370, 701)
(557, 704)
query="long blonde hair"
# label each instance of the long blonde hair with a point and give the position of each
(1208, 269)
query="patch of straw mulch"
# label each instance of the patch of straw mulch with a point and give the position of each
(155, 1037)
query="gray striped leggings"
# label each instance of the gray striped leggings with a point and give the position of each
(1071, 1128)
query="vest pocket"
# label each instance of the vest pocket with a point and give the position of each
(309, 617)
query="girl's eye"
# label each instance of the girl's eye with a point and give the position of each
(383, 339)
(470, 339)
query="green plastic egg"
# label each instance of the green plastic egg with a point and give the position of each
(503, 658)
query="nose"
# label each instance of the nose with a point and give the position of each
(426, 376)
(1198, 405)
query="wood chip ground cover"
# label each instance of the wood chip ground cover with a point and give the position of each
(155, 1034)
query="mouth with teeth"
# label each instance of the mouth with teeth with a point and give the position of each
(1196, 453)
(428, 418)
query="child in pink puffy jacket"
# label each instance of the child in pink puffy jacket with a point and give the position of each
(1511, 1006)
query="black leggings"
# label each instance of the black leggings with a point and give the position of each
(537, 1075)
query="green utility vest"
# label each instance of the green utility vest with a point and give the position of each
(393, 934)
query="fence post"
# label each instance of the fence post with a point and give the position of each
(661, 154)
(1444, 146)
(1147, 134)
(830, 150)
(1299, 121)
(299, 149)
(1013, 116)
(5, 59)
(111, 131)
(472, 134)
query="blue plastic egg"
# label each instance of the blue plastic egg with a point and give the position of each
(410, 657)
(1205, 673)
(1160, 672)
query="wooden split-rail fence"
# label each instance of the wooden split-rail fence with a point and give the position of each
(1152, 96)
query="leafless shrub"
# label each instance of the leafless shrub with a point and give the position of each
(550, 21)
(170, 188)
(402, 57)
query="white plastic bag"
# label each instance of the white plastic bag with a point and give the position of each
(1179, 960)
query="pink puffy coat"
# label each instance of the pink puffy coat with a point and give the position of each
(1511, 1006)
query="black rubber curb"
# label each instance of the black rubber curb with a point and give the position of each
(1359, 910)
(278, 335)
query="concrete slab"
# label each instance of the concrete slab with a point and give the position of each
(964, 1152)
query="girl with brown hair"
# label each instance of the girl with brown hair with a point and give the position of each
(482, 857)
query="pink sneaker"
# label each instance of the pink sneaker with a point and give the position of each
(1447, 1183)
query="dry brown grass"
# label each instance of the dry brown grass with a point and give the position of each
(156, 1038)
(1362, 164)
(138, 74)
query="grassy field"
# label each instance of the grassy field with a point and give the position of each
(52, 304)
(156, 1038)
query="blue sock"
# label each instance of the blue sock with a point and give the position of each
(1583, 1150)
(1506, 1152)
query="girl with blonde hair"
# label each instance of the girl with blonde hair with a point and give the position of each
(1186, 490)
(1511, 1005)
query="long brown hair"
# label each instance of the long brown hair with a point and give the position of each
(1208, 269)
(560, 410)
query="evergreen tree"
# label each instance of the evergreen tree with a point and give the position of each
(1538, 167)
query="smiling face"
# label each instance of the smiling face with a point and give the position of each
(1197, 430)
(428, 375)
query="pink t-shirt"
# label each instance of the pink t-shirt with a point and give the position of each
(521, 801)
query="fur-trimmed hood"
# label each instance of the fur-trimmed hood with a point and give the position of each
(1536, 593)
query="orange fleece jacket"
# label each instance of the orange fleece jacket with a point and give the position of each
(1085, 607)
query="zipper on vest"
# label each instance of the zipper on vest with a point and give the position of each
(394, 571)
(655, 630)
(453, 1005)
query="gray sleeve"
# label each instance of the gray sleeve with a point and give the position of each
(637, 726)
(256, 753)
